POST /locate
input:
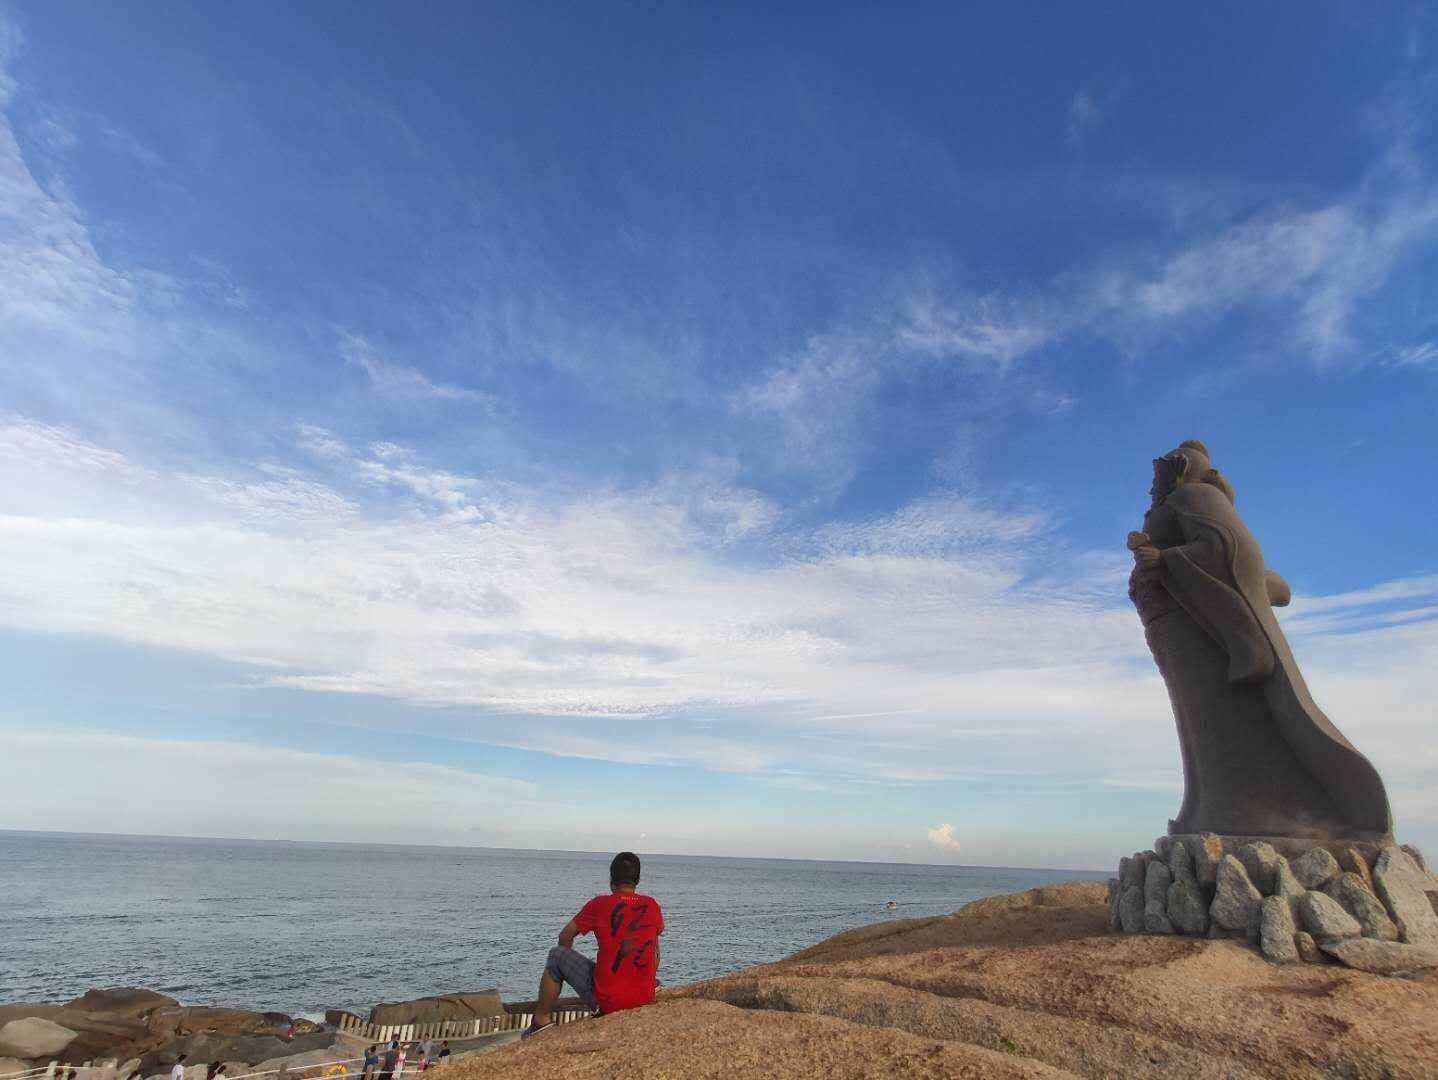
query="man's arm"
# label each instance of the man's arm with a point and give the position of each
(569, 933)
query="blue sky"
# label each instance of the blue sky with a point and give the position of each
(695, 429)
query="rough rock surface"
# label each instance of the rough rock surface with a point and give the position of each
(1416, 855)
(1286, 883)
(1187, 907)
(10, 1065)
(1399, 881)
(1180, 862)
(1131, 909)
(1207, 853)
(1352, 860)
(1316, 868)
(467, 1006)
(1155, 898)
(1235, 902)
(34, 1037)
(1277, 930)
(1383, 957)
(1325, 919)
(1025, 985)
(1260, 861)
(1308, 949)
(1348, 889)
(123, 1002)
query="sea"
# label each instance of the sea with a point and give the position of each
(302, 927)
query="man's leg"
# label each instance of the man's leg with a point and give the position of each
(564, 966)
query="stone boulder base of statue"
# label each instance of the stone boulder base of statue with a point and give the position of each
(1372, 907)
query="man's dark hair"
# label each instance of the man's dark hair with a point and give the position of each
(624, 870)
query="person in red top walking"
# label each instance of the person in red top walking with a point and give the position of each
(627, 925)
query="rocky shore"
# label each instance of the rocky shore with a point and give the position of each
(1029, 985)
(141, 1033)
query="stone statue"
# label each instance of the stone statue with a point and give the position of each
(1259, 757)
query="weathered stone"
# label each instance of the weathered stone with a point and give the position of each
(1277, 930)
(1130, 910)
(127, 1002)
(1187, 907)
(1114, 921)
(1155, 918)
(1235, 901)
(1260, 860)
(1417, 857)
(1180, 862)
(1315, 868)
(1383, 957)
(1352, 860)
(1161, 847)
(1207, 853)
(1131, 870)
(1353, 895)
(10, 1065)
(1399, 882)
(33, 1037)
(1308, 949)
(1286, 884)
(1325, 919)
(1156, 881)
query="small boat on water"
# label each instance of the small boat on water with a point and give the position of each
(892, 905)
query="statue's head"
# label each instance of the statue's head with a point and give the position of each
(1189, 464)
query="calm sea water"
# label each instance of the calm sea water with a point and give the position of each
(300, 927)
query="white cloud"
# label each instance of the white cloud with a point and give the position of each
(943, 838)
(151, 784)
(1424, 355)
(399, 382)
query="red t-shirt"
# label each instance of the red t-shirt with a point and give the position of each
(627, 927)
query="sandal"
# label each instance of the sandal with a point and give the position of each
(533, 1030)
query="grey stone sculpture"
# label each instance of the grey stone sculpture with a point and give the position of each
(1259, 757)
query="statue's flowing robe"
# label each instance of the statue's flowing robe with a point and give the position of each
(1213, 567)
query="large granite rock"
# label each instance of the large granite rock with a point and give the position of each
(1383, 957)
(10, 1065)
(1316, 868)
(462, 1006)
(1115, 920)
(1180, 862)
(1277, 930)
(1400, 882)
(1325, 919)
(1286, 883)
(1352, 860)
(1260, 861)
(1206, 850)
(34, 1037)
(1308, 949)
(171, 1022)
(123, 1002)
(1349, 890)
(1188, 907)
(1130, 910)
(1236, 902)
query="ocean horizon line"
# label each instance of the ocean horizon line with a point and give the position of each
(552, 851)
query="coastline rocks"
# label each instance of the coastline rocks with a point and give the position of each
(1399, 882)
(1206, 853)
(1325, 919)
(1155, 898)
(121, 1002)
(464, 1006)
(1352, 860)
(1277, 930)
(172, 1022)
(1355, 898)
(1383, 957)
(1130, 910)
(1235, 902)
(34, 1037)
(1286, 883)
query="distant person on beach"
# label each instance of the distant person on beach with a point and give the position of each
(371, 1063)
(399, 1062)
(443, 1052)
(178, 1072)
(627, 925)
(391, 1055)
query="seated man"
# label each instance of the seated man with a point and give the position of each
(627, 925)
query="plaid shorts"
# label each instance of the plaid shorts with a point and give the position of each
(574, 968)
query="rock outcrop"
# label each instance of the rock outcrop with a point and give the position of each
(427, 1010)
(1029, 985)
(1386, 895)
(35, 1037)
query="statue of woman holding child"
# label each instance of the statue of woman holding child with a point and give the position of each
(1259, 757)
